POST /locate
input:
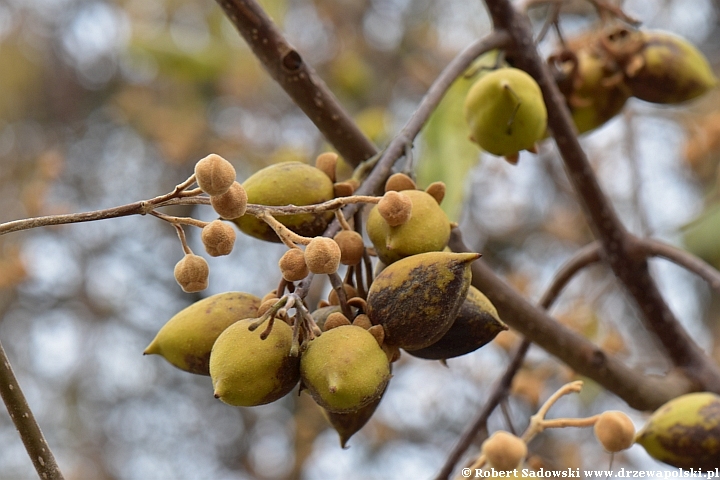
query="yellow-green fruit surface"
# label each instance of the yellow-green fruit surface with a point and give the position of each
(685, 432)
(427, 230)
(187, 338)
(505, 111)
(247, 371)
(417, 298)
(476, 324)
(672, 71)
(344, 369)
(288, 183)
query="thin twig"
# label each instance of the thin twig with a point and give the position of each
(584, 257)
(24, 420)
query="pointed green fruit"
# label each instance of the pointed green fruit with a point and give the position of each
(476, 324)
(247, 371)
(417, 298)
(288, 183)
(685, 432)
(187, 338)
(506, 112)
(344, 369)
(427, 230)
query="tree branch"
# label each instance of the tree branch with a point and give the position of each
(630, 269)
(298, 79)
(642, 392)
(24, 420)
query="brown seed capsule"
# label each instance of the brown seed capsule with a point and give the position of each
(322, 255)
(351, 246)
(214, 175)
(615, 431)
(399, 182)
(231, 204)
(350, 292)
(504, 451)
(292, 265)
(218, 238)
(437, 191)
(335, 319)
(192, 273)
(395, 208)
(327, 162)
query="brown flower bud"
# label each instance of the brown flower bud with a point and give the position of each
(214, 175)
(395, 208)
(322, 255)
(504, 451)
(343, 189)
(362, 321)
(351, 246)
(218, 238)
(615, 431)
(399, 182)
(292, 265)
(191, 273)
(231, 204)
(437, 191)
(327, 162)
(266, 304)
(335, 319)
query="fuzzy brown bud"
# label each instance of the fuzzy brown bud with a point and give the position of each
(362, 321)
(395, 208)
(192, 273)
(350, 292)
(327, 162)
(335, 319)
(437, 191)
(218, 238)
(266, 304)
(343, 189)
(504, 451)
(292, 265)
(615, 431)
(214, 175)
(322, 255)
(231, 204)
(351, 246)
(399, 182)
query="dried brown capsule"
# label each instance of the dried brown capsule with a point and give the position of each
(322, 255)
(292, 265)
(214, 175)
(351, 246)
(476, 324)
(231, 204)
(192, 273)
(218, 238)
(417, 298)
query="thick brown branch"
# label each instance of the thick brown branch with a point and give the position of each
(24, 420)
(298, 79)
(643, 392)
(630, 269)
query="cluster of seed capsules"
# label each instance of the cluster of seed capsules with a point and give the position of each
(417, 297)
(597, 73)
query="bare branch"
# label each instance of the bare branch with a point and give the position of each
(630, 269)
(643, 392)
(298, 79)
(24, 420)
